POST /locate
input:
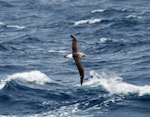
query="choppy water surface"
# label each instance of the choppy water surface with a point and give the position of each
(36, 79)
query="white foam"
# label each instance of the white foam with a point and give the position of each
(87, 21)
(98, 10)
(63, 111)
(8, 116)
(2, 84)
(104, 39)
(59, 51)
(1, 23)
(15, 26)
(32, 76)
(133, 16)
(115, 85)
(12, 26)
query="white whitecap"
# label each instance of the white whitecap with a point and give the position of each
(2, 84)
(15, 26)
(115, 85)
(98, 10)
(58, 51)
(63, 111)
(103, 39)
(87, 21)
(2, 24)
(133, 16)
(32, 76)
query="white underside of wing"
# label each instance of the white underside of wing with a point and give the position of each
(70, 55)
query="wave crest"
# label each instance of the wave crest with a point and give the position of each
(115, 85)
(32, 76)
(98, 10)
(2, 24)
(16, 27)
(12, 26)
(57, 51)
(87, 21)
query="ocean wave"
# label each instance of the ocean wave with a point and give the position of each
(16, 27)
(12, 26)
(31, 39)
(32, 76)
(57, 51)
(113, 40)
(2, 48)
(98, 10)
(104, 39)
(133, 16)
(4, 3)
(2, 24)
(115, 85)
(64, 111)
(87, 21)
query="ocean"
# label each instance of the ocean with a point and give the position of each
(37, 81)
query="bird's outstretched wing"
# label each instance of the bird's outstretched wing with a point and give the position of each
(74, 44)
(81, 70)
(77, 58)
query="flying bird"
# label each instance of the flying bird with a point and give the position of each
(77, 57)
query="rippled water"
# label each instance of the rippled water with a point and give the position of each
(36, 79)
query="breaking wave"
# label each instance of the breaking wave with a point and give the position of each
(88, 21)
(133, 16)
(98, 10)
(104, 39)
(57, 51)
(32, 76)
(1, 23)
(115, 85)
(15, 26)
(12, 26)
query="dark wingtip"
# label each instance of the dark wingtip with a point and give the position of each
(71, 36)
(81, 81)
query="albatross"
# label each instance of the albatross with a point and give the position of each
(77, 57)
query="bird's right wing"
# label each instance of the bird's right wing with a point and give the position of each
(80, 69)
(74, 44)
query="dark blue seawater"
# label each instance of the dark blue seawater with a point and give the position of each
(35, 78)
